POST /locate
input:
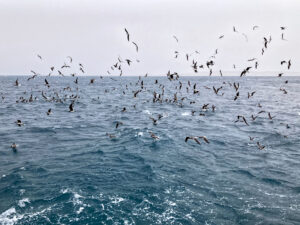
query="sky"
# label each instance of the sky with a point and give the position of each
(92, 32)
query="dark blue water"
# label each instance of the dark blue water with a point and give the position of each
(66, 170)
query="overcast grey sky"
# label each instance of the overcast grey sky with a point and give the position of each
(92, 32)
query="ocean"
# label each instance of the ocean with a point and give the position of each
(78, 168)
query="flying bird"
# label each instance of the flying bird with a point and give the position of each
(127, 34)
(49, 112)
(260, 147)
(136, 46)
(175, 38)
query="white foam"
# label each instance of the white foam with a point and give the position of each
(147, 112)
(80, 210)
(22, 191)
(77, 196)
(117, 200)
(10, 217)
(22, 203)
(64, 191)
(186, 114)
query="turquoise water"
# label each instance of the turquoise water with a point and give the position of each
(66, 170)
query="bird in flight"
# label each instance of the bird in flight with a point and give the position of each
(175, 38)
(127, 34)
(136, 46)
(260, 147)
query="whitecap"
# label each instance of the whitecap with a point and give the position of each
(116, 200)
(186, 114)
(10, 217)
(77, 196)
(22, 203)
(80, 210)
(64, 191)
(147, 112)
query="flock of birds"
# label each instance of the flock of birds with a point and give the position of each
(159, 96)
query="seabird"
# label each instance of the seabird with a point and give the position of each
(14, 146)
(136, 46)
(19, 123)
(49, 112)
(260, 147)
(175, 38)
(153, 136)
(71, 109)
(127, 34)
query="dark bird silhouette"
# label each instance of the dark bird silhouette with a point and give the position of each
(282, 62)
(270, 117)
(282, 37)
(153, 120)
(236, 96)
(175, 38)
(253, 117)
(153, 136)
(71, 107)
(118, 124)
(128, 61)
(47, 83)
(251, 94)
(289, 64)
(216, 90)
(245, 71)
(71, 60)
(19, 123)
(193, 138)
(236, 86)
(243, 119)
(49, 112)
(260, 147)
(283, 90)
(136, 93)
(31, 78)
(136, 46)
(127, 34)
(14, 146)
